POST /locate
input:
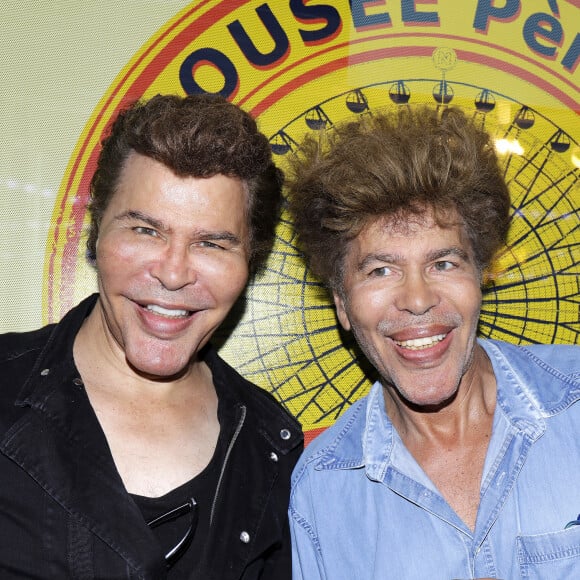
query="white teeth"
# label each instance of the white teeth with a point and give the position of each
(166, 311)
(420, 343)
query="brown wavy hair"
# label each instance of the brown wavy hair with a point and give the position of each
(393, 165)
(194, 136)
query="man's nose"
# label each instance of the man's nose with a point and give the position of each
(174, 267)
(417, 294)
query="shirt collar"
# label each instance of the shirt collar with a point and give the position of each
(55, 359)
(379, 435)
(529, 390)
(364, 438)
(527, 394)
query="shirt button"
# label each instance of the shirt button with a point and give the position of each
(78, 382)
(44, 372)
(274, 457)
(245, 537)
(285, 434)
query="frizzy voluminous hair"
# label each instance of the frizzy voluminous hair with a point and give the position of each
(194, 136)
(392, 165)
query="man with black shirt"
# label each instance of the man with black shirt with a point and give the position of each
(129, 449)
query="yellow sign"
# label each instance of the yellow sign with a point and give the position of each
(304, 65)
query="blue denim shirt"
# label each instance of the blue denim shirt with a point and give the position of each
(362, 508)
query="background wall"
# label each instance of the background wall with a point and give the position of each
(57, 59)
(66, 67)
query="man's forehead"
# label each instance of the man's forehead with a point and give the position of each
(424, 233)
(409, 223)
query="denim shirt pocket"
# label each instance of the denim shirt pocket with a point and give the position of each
(554, 555)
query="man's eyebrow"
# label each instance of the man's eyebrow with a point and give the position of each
(141, 217)
(218, 236)
(379, 257)
(446, 252)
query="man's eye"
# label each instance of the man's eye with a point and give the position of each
(208, 244)
(144, 230)
(382, 271)
(444, 265)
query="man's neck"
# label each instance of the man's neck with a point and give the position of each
(450, 444)
(161, 433)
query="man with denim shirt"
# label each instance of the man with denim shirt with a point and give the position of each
(462, 462)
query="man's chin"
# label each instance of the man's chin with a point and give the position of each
(427, 400)
(162, 370)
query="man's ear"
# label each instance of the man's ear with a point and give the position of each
(341, 311)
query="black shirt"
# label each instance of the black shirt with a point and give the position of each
(202, 489)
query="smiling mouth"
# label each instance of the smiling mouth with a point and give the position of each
(168, 312)
(420, 343)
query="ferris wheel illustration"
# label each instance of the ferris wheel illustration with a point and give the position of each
(287, 338)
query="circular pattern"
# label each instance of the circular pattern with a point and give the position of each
(285, 335)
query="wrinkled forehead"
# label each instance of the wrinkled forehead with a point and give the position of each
(412, 222)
